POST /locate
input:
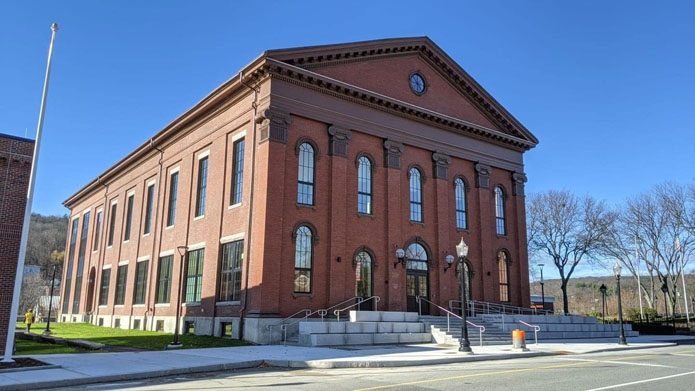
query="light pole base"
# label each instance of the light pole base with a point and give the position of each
(465, 350)
(174, 346)
(46, 333)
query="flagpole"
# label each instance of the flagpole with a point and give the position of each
(9, 343)
(639, 283)
(685, 292)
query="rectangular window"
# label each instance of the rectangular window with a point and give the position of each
(140, 282)
(230, 273)
(121, 278)
(164, 279)
(194, 275)
(173, 190)
(68, 273)
(112, 224)
(128, 217)
(80, 263)
(105, 284)
(238, 172)
(202, 187)
(97, 232)
(148, 209)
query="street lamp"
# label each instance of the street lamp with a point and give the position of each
(664, 288)
(603, 290)
(50, 303)
(462, 252)
(176, 344)
(400, 255)
(540, 265)
(621, 337)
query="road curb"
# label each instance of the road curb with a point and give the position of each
(132, 376)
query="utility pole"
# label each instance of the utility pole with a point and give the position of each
(9, 344)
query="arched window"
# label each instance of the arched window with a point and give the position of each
(415, 195)
(364, 185)
(305, 175)
(363, 274)
(460, 197)
(503, 266)
(499, 211)
(303, 257)
(416, 257)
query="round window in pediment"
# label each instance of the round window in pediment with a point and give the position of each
(417, 83)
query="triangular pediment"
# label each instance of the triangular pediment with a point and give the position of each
(385, 66)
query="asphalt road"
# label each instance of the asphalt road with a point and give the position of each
(649, 369)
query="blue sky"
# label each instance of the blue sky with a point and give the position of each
(606, 86)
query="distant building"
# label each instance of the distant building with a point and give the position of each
(294, 183)
(537, 302)
(15, 168)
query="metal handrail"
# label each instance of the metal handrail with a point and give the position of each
(323, 312)
(375, 298)
(281, 323)
(494, 308)
(481, 329)
(536, 329)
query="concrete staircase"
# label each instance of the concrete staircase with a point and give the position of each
(366, 328)
(558, 326)
(493, 335)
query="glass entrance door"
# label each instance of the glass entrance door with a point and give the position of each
(417, 278)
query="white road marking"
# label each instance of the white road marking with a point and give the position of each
(642, 381)
(641, 364)
(682, 354)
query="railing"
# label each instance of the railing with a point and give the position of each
(324, 312)
(536, 329)
(481, 329)
(375, 298)
(483, 307)
(307, 312)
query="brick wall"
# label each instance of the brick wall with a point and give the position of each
(15, 168)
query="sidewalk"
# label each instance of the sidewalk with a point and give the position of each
(78, 369)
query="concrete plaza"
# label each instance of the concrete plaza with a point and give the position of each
(76, 369)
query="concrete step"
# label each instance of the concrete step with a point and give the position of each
(383, 316)
(360, 327)
(363, 339)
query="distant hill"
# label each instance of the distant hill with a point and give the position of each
(584, 295)
(46, 244)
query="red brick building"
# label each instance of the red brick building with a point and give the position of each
(15, 167)
(293, 184)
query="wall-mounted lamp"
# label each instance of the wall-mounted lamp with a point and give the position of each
(449, 261)
(400, 254)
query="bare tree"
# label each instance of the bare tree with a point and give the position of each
(567, 229)
(658, 217)
(33, 287)
(620, 242)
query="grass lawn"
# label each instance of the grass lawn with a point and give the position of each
(30, 347)
(139, 339)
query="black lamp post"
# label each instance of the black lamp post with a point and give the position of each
(464, 343)
(664, 288)
(176, 344)
(621, 338)
(50, 303)
(540, 265)
(603, 290)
